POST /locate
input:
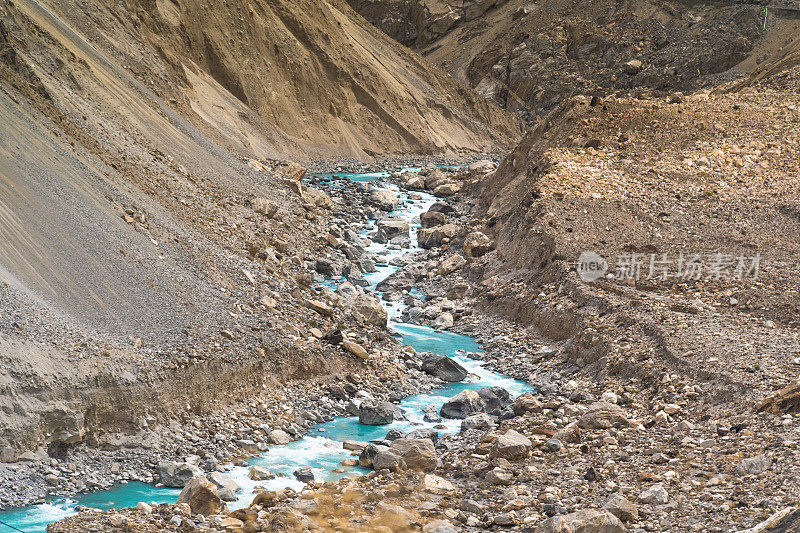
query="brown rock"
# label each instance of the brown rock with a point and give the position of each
(418, 454)
(603, 415)
(201, 496)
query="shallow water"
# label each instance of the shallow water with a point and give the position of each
(321, 448)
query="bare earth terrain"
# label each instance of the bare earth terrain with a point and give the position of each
(159, 247)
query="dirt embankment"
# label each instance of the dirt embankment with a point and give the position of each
(680, 195)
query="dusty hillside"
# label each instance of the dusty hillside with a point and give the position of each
(526, 56)
(135, 254)
(709, 174)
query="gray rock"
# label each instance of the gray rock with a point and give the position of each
(279, 437)
(395, 434)
(444, 368)
(495, 398)
(376, 415)
(656, 494)
(388, 460)
(603, 415)
(305, 474)
(634, 66)
(621, 507)
(177, 475)
(586, 521)
(754, 465)
(424, 433)
(418, 454)
(784, 521)
(462, 405)
(479, 421)
(443, 321)
(368, 454)
(511, 445)
(259, 473)
(553, 445)
(499, 476)
(226, 487)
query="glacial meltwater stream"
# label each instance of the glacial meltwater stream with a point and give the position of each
(321, 448)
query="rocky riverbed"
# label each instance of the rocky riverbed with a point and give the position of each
(584, 449)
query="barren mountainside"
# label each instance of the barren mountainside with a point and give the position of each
(126, 200)
(528, 56)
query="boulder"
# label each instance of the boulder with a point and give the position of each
(266, 207)
(418, 454)
(317, 198)
(785, 400)
(621, 507)
(786, 520)
(367, 455)
(656, 494)
(431, 219)
(279, 437)
(390, 228)
(370, 308)
(376, 414)
(304, 474)
(434, 178)
(444, 368)
(226, 487)
(424, 433)
(384, 199)
(526, 403)
(289, 170)
(450, 265)
(476, 244)
(202, 497)
(586, 521)
(443, 321)
(388, 460)
(395, 434)
(355, 349)
(499, 476)
(511, 445)
(432, 237)
(632, 67)
(177, 475)
(462, 405)
(320, 307)
(437, 485)
(754, 465)
(447, 189)
(603, 415)
(484, 166)
(414, 181)
(495, 398)
(259, 473)
(479, 421)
